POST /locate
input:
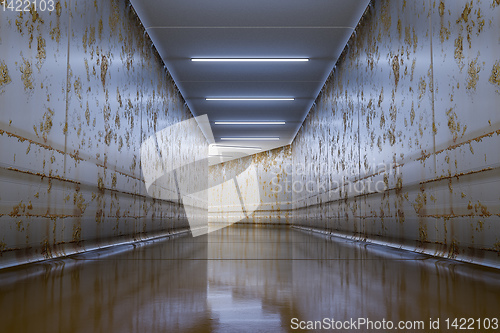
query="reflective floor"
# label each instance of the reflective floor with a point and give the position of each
(242, 279)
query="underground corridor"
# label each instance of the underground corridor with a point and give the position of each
(250, 166)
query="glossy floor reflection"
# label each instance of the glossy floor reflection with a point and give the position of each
(240, 279)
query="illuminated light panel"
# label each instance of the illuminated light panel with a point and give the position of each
(250, 139)
(237, 147)
(250, 123)
(250, 99)
(250, 59)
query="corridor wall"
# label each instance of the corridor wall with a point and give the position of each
(402, 143)
(81, 88)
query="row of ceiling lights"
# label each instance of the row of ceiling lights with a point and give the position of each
(250, 99)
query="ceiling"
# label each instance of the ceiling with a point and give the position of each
(314, 29)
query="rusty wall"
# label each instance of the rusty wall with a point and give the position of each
(254, 189)
(80, 88)
(402, 143)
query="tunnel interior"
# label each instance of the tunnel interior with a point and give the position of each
(168, 167)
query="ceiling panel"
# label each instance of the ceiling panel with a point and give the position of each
(316, 43)
(251, 110)
(198, 89)
(189, 71)
(232, 13)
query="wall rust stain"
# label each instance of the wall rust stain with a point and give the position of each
(473, 74)
(4, 74)
(495, 74)
(27, 74)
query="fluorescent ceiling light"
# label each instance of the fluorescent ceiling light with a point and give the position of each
(250, 59)
(250, 139)
(250, 99)
(220, 155)
(249, 123)
(237, 147)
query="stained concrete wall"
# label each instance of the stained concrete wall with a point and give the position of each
(253, 189)
(403, 139)
(80, 88)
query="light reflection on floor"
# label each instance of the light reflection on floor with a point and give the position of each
(240, 279)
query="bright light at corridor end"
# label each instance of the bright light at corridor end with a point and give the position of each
(250, 59)
(249, 123)
(250, 139)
